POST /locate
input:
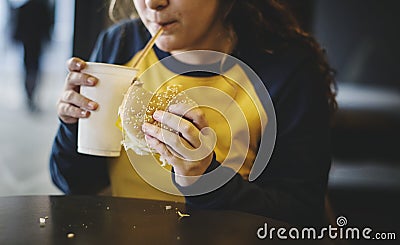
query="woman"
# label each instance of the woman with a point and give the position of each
(264, 35)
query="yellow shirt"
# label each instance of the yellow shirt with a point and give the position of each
(232, 109)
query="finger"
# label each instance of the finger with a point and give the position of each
(75, 64)
(187, 129)
(160, 148)
(74, 98)
(191, 113)
(70, 114)
(76, 79)
(177, 144)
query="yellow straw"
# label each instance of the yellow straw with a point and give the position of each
(147, 48)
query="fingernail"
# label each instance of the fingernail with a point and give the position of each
(92, 105)
(83, 113)
(157, 114)
(149, 140)
(91, 80)
(171, 107)
(80, 65)
(144, 127)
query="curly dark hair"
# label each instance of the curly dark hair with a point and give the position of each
(272, 25)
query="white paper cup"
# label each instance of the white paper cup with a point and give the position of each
(98, 134)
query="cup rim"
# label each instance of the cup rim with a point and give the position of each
(93, 67)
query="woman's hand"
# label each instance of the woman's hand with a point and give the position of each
(190, 150)
(72, 105)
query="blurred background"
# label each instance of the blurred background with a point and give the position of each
(361, 39)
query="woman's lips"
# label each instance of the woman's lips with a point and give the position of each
(167, 25)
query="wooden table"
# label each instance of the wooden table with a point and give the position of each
(111, 220)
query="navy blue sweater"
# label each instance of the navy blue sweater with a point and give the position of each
(291, 188)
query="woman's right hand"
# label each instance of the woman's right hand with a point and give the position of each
(72, 105)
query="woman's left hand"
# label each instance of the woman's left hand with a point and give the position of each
(190, 150)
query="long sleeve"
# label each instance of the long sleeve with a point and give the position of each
(76, 173)
(72, 172)
(292, 187)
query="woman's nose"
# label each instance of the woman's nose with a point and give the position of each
(156, 4)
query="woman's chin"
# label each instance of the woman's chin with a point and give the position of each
(167, 45)
(164, 48)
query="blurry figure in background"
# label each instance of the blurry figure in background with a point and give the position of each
(32, 22)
